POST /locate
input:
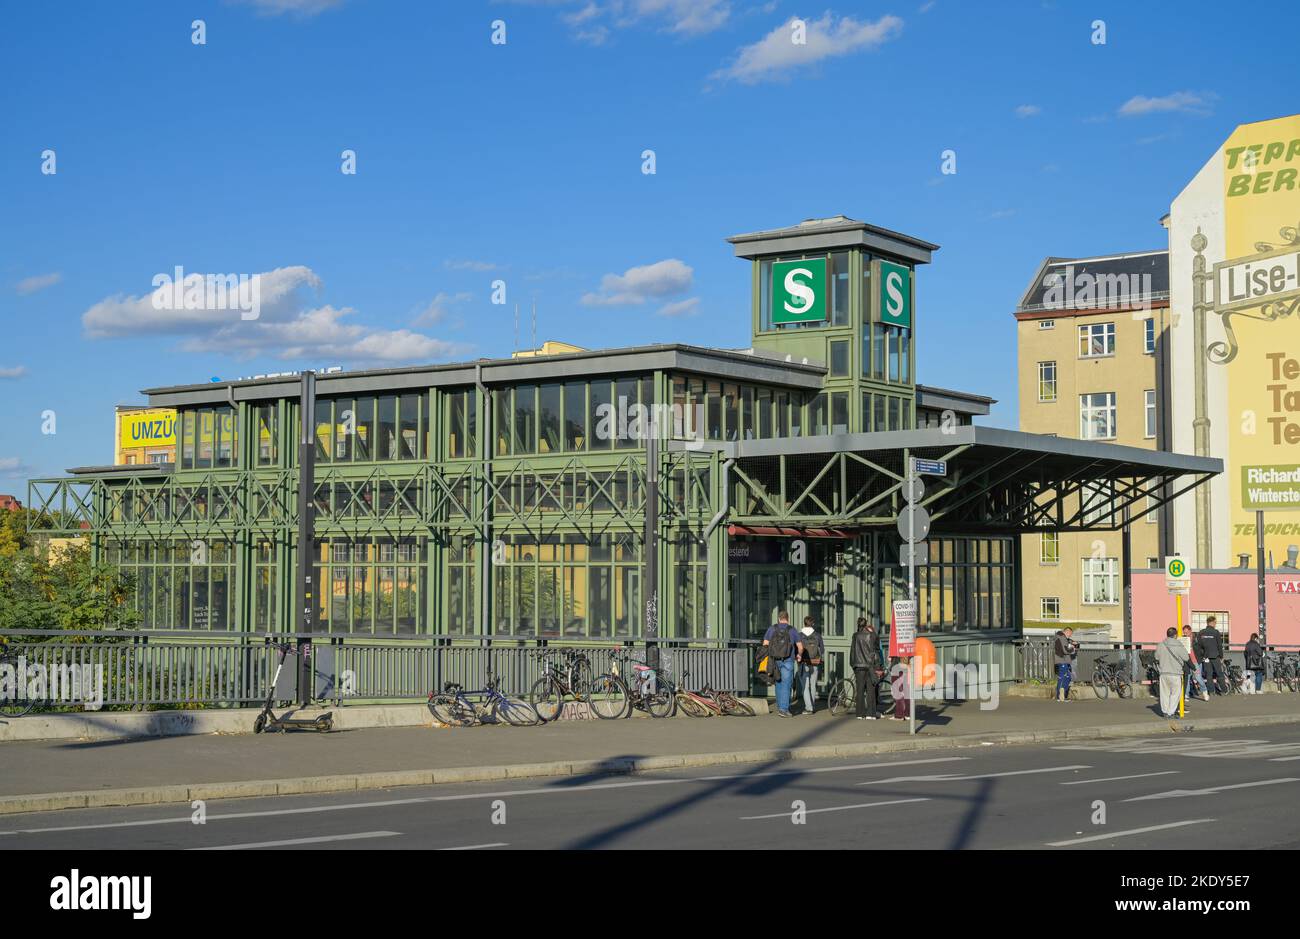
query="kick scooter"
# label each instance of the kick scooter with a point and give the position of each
(268, 721)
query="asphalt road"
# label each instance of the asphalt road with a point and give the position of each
(1179, 791)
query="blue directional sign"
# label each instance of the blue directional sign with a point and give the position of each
(930, 467)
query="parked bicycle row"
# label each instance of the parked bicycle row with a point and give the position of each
(568, 680)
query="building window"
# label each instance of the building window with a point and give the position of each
(1047, 324)
(968, 583)
(840, 358)
(1097, 501)
(209, 438)
(1050, 550)
(1096, 340)
(1097, 416)
(1153, 563)
(1046, 381)
(1149, 336)
(1153, 515)
(1101, 581)
(840, 412)
(1049, 609)
(839, 272)
(1150, 402)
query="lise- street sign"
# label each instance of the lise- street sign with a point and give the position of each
(930, 467)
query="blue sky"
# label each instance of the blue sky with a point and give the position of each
(522, 162)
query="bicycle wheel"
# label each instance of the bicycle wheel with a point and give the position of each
(1100, 687)
(733, 706)
(514, 711)
(452, 710)
(662, 702)
(843, 696)
(608, 698)
(691, 706)
(547, 698)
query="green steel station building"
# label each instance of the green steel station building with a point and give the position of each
(666, 494)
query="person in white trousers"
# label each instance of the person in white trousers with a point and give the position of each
(1171, 658)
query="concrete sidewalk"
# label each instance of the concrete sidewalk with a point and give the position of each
(46, 775)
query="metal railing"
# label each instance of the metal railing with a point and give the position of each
(148, 669)
(1036, 657)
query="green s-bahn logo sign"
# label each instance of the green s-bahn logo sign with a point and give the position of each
(799, 291)
(895, 299)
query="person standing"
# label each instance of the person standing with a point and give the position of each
(810, 660)
(900, 686)
(1064, 651)
(1210, 652)
(1255, 660)
(1171, 658)
(784, 646)
(868, 666)
(1194, 676)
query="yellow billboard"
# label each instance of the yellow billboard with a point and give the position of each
(151, 427)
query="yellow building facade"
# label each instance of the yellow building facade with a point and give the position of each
(1090, 346)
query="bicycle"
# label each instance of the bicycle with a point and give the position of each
(843, 696)
(649, 689)
(455, 707)
(1283, 670)
(1234, 677)
(558, 681)
(1110, 676)
(693, 703)
(726, 702)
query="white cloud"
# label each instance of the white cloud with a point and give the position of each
(127, 315)
(441, 306)
(13, 468)
(39, 282)
(285, 329)
(1186, 102)
(302, 8)
(639, 284)
(1028, 110)
(463, 264)
(17, 371)
(1002, 213)
(688, 307)
(595, 18)
(321, 334)
(776, 55)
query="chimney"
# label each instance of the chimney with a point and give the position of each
(1243, 561)
(1291, 552)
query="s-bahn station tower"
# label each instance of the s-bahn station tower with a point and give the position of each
(529, 498)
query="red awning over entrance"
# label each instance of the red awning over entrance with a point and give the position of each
(784, 532)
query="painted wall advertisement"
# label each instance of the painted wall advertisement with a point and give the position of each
(1235, 264)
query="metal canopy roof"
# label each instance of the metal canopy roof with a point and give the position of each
(998, 480)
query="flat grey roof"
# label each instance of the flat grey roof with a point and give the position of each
(927, 396)
(739, 365)
(824, 234)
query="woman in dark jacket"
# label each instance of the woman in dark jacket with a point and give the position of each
(1064, 649)
(1255, 660)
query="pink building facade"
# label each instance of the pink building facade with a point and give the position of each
(1230, 595)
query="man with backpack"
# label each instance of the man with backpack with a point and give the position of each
(868, 667)
(1210, 652)
(784, 646)
(810, 661)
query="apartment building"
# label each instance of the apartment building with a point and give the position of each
(1090, 361)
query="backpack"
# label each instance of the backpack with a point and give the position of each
(812, 646)
(779, 646)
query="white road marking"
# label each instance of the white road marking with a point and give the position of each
(953, 777)
(1204, 748)
(475, 847)
(1131, 831)
(1081, 782)
(1179, 793)
(292, 841)
(419, 800)
(833, 808)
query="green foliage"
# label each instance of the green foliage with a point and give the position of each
(64, 590)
